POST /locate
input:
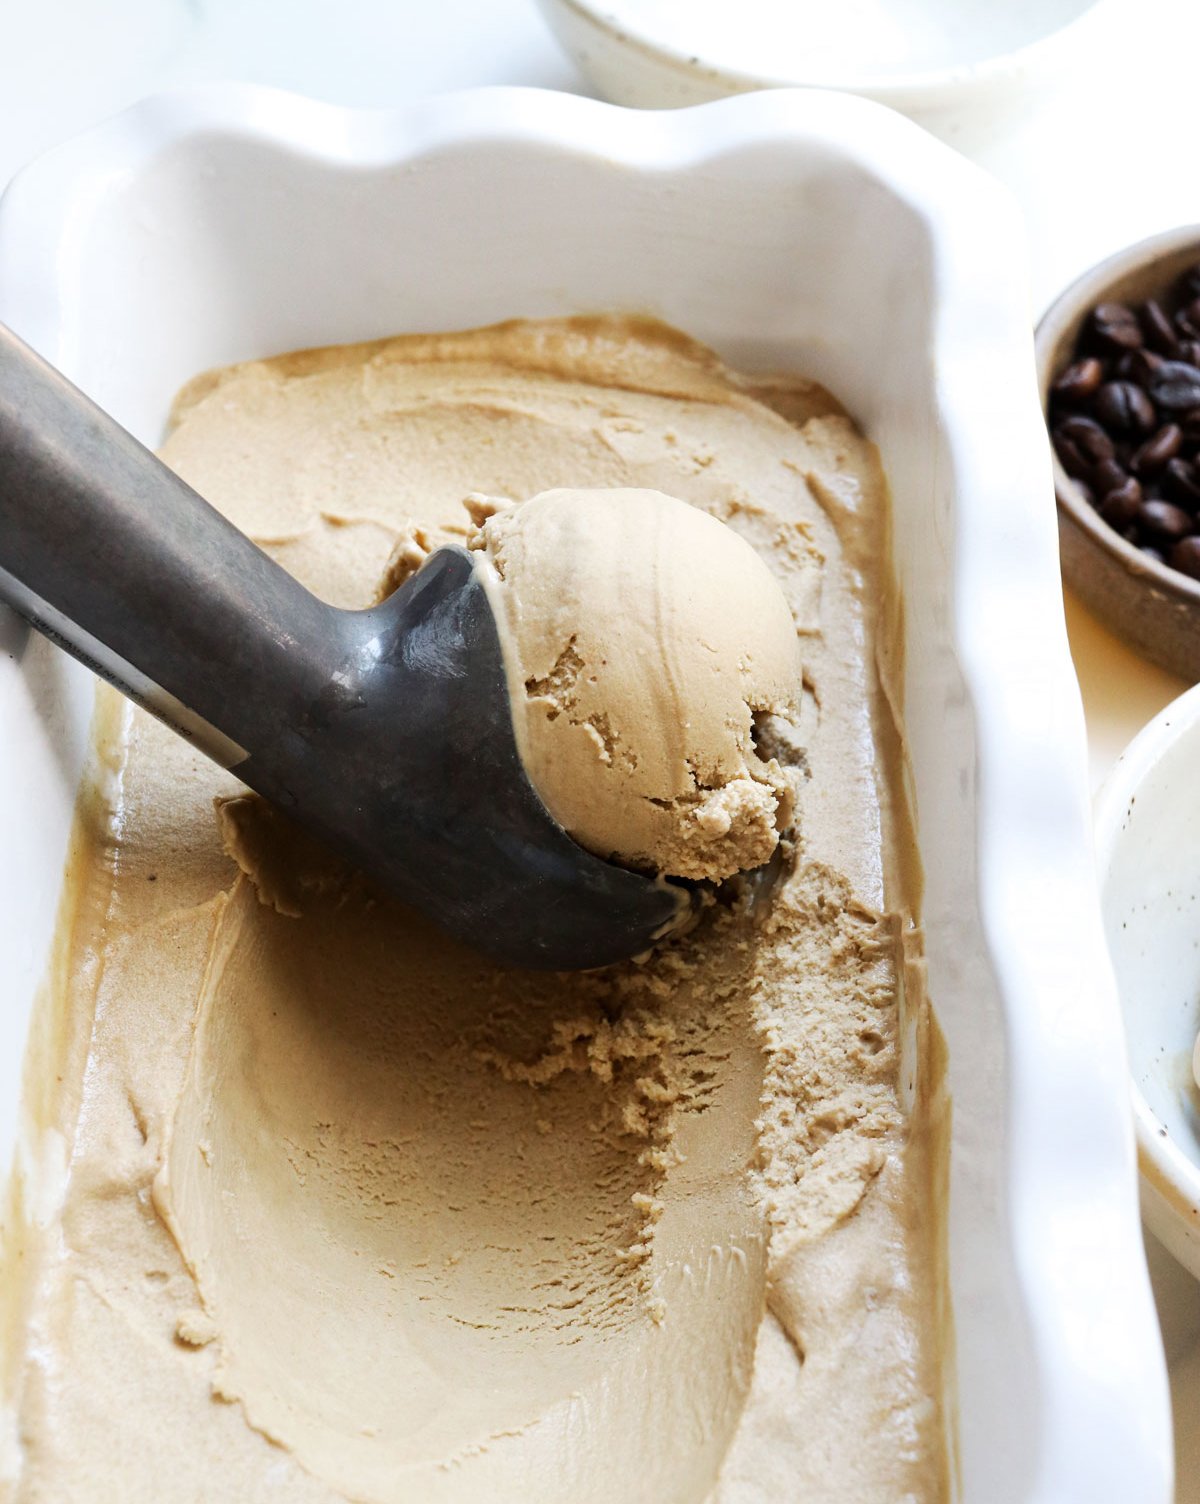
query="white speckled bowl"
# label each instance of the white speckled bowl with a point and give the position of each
(1148, 846)
(788, 229)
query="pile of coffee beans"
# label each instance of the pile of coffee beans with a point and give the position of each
(1125, 420)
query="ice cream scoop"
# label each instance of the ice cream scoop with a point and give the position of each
(389, 731)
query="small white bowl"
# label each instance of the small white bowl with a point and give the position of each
(941, 62)
(1148, 851)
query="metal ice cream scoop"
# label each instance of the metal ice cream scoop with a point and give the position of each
(386, 731)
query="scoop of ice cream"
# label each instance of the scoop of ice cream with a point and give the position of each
(645, 643)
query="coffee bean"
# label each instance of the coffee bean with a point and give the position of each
(1182, 484)
(1072, 459)
(1081, 444)
(1088, 437)
(1129, 487)
(1188, 285)
(1137, 365)
(1157, 450)
(1113, 326)
(1175, 386)
(1105, 476)
(1163, 523)
(1185, 557)
(1152, 553)
(1079, 381)
(1157, 328)
(1189, 351)
(1124, 408)
(1187, 319)
(1076, 464)
(1119, 507)
(1189, 424)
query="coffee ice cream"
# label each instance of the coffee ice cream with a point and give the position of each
(334, 1209)
(635, 702)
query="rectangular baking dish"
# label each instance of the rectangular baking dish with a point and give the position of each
(788, 230)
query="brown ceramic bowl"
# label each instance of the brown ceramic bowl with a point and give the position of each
(1156, 609)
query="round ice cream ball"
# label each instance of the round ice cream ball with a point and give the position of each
(644, 641)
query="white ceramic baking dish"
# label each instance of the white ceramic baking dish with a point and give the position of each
(817, 233)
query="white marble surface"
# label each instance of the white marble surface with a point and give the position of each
(1100, 160)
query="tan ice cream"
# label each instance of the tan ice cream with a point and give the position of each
(346, 1213)
(635, 701)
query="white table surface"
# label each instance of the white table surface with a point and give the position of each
(1100, 160)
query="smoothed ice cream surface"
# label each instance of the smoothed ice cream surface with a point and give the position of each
(644, 641)
(346, 1212)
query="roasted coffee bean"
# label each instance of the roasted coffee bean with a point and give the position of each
(1082, 444)
(1185, 557)
(1079, 381)
(1088, 437)
(1114, 327)
(1175, 386)
(1105, 476)
(1189, 351)
(1157, 327)
(1124, 408)
(1182, 484)
(1187, 319)
(1188, 285)
(1130, 487)
(1157, 450)
(1119, 508)
(1161, 522)
(1137, 365)
(1154, 553)
(1189, 424)
(1070, 457)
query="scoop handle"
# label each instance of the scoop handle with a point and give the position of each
(110, 554)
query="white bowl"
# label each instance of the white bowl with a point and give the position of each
(1148, 847)
(790, 230)
(942, 62)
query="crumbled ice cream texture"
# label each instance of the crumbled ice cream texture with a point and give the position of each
(645, 641)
